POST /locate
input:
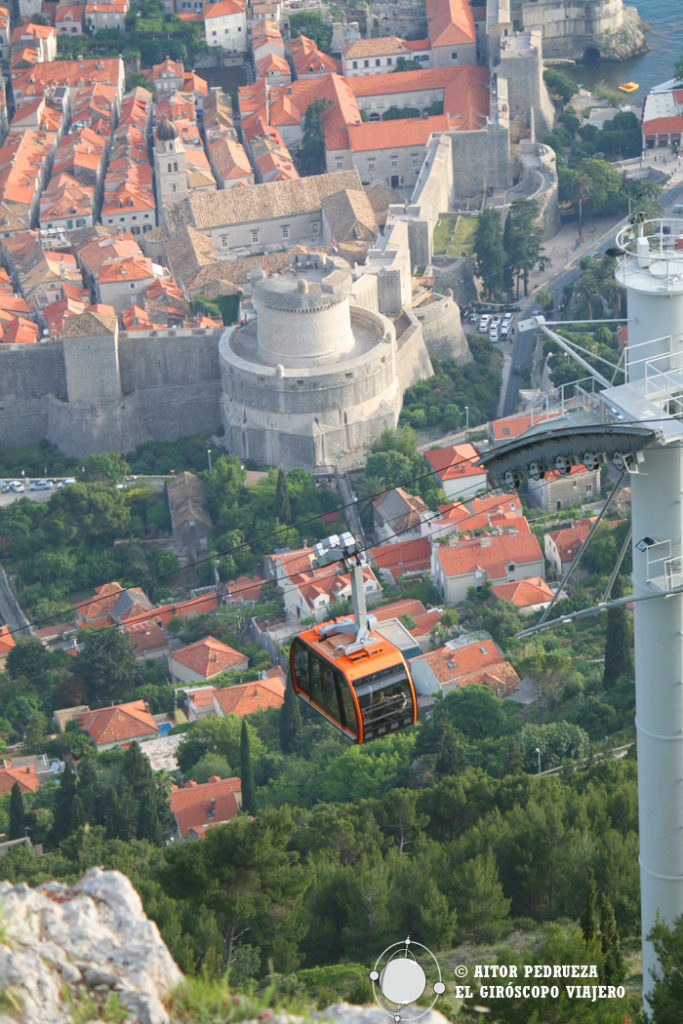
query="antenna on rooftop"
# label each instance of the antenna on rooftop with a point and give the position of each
(637, 425)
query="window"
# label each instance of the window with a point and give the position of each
(454, 55)
(175, 165)
(415, 158)
(169, 168)
(366, 63)
(175, 187)
(285, 230)
(355, 64)
(132, 284)
(316, 228)
(390, 60)
(224, 241)
(394, 161)
(339, 165)
(254, 236)
(377, 62)
(371, 165)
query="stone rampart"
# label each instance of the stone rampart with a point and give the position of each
(169, 387)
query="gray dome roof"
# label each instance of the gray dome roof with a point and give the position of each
(167, 131)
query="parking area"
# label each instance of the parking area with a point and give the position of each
(38, 489)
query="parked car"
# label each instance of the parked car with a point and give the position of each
(67, 480)
(484, 324)
(16, 486)
(39, 485)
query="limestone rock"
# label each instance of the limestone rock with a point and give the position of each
(65, 946)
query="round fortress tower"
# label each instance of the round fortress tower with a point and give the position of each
(311, 378)
(304, 317)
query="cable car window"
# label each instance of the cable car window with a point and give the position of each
(323, 688)
(348, 708)
(385, 699)
(301, 668)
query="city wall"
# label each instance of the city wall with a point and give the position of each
(168, 383)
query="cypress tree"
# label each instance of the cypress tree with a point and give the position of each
(77, 814)
(64, 805)
(514, 764)
(17, 815)
(247, 772)
(588, 915)
(290, 719)
(283, 506)
(613, 960)
(618, 659)
(450, 756)
(114, 820)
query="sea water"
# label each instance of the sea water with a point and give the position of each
(665, 38)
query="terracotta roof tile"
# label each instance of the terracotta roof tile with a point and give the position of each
(491, 554)
(118, 723)
(209, 657)
(450, 22)
(456, 462)
(245, 698)
(524, 593)
(197, 808)
(25, 776)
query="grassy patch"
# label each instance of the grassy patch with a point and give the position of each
(463, 237)
(443, 232)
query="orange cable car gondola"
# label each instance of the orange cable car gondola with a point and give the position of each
(346, 671)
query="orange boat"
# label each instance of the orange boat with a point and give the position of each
(629, 86)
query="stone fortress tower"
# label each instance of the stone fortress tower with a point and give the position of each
(312, 377)
(579, 30)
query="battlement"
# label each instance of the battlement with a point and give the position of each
(313, 282)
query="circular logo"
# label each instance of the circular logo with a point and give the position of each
(400, 977)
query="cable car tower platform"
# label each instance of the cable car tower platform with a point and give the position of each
(637, 425)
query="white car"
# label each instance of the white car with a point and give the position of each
(484, 324)
(16, 486)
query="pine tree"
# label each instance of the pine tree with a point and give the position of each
(618, 661)
(283, 506)
(613, 961)
(247, 772)
(290, 719)
(17, 815)
(588, 914)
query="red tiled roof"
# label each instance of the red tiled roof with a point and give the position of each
(480, 663)
(223, 8)
(524, 593)
(513, 426)
(245, 698)
(7, 641)
(404, 556)
(25, 776)
(492, 554)
(197, 808)
(455, 462)
(209, 657)
(405, 606)
(403, 131)
(118, 723)
(569, 539)
(450, 22)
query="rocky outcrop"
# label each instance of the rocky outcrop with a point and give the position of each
(70, 950)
